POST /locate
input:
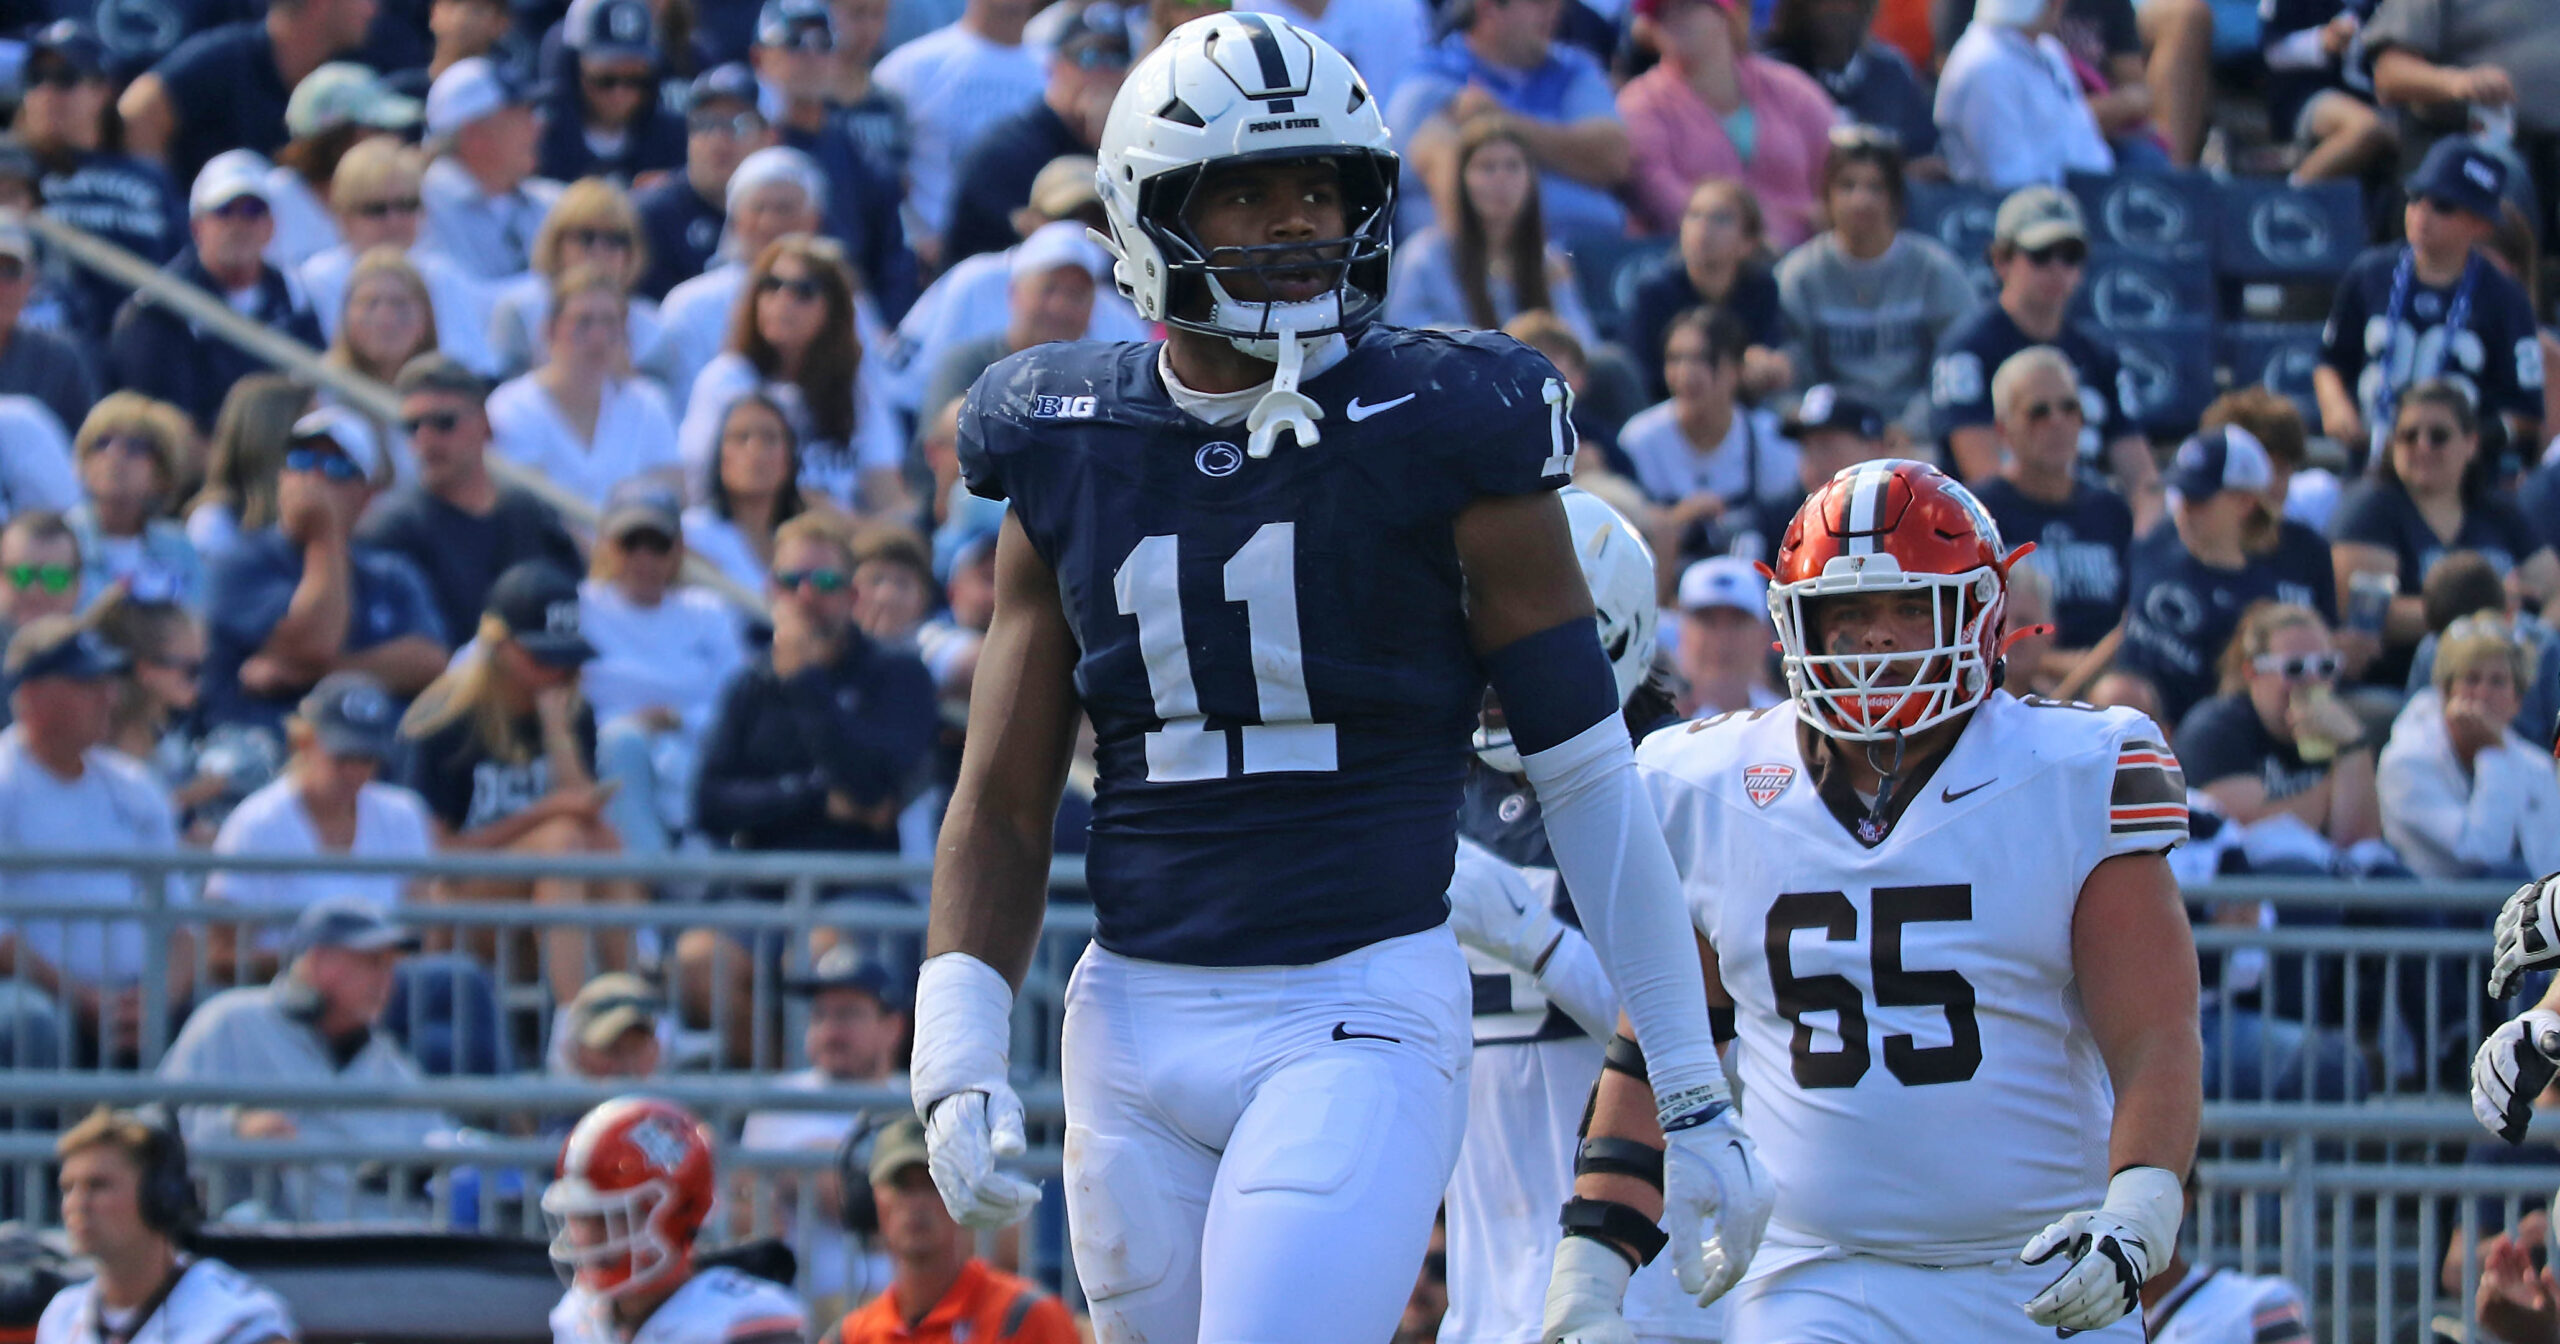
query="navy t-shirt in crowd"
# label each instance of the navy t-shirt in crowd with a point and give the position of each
(225, 93)
(995, 175)
(683, 231)
(2306, 572)
(862, 213)
(466, 787)
(2080, 543)
(126, 201)
(1972, 351)
(460, 555)
(2540, 495)
(250, 589)
(2380, 513)
(2181, 612)
(1877, 88)
(2497, 358)
(1664, 292)
(2223, 738)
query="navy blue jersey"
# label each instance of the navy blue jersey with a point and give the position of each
(1502, 814)
(2080, 542)
(2496, 357)
(1274, 653)
(1972, 351)
(2183, 611)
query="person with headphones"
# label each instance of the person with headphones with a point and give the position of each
(129, 1205)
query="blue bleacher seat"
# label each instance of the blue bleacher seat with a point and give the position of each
(2125, 291)
(2169, 373)
(1605, 270)
(2275, 355)
(2165, 216)
(1960, 217)
(2272, 231)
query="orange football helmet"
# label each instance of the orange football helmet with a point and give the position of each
(1892, 526)
(634, 1187)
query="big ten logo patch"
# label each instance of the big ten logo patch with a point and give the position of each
(1065, 408)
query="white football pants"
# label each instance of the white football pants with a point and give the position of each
(1861, 1299)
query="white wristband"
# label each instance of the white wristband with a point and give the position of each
(964, 1029)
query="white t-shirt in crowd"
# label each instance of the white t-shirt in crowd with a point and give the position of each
(2011, 113)
(520, 308)
(955, 85)
(635, 433)
(1671, 469)
(304, 226)
(115, 806)
(391, 823)
(679, 653)
(722, 545)
(461, 301)
(694, 324)
(971, 301)
(829, 469)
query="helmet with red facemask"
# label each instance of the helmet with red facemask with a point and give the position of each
(1897, 527)
(634, 1187)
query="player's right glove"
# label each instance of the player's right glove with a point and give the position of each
(1586, 1295)
(1494, 909)
(1715, 1193)
(964, 1033)
(2528, 934)
(2511, 1069)
(2114, 1249)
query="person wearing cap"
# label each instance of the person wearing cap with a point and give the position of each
(2383, 332)
(2010, 107)
(1722, 648)
(128, 451)
(292, 603)
(503, 749)
(1833, 430)
(61, 788)
(1703, 455)
(994, 177)
(375, 197)
(89, 181)
(332, 110)
(956, 81)
(939, 1291)
(1052, 278)
(456, 522)
(228, 87)
(2501, 57)
(663, 651)
(611, 1032)
(796, 63)
(606, 120)
(1678, 116)
(1504, 58)
(2189, 582)
(315, 1023)
(484, 201)
(683, 213)
(2039, 249)
(2081, 529)
(775, 192)
(156, 350)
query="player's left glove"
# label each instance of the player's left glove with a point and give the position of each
(1494, 909)
(1715, 1193)
(2511, 1069)
(1586, 1295)
(2113, 1248)
(964, 1034)
(2528, 934)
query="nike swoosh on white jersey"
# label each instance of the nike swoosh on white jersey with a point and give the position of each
(1358, 412)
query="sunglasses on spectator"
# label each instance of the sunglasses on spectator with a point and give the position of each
(50, 578)
(2432, 436)
(2068, 252)
(131, 445)
(2297, 666)
(819, 580)
(739, 124)
(2037, 412)
(607, 83)
(240, 208)
(808, 35)
(190, 668)
(332, 465)
(442, 422)
(389, 206)
(800, 287)
(596, 240)
(648, 541)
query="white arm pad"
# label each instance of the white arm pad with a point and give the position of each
(964, 1029)
(1572, 980)
(1608, 845)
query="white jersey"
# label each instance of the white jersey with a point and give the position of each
(212, 1304)
(2218, 1306)
(716, 1306)
(1915, 1066)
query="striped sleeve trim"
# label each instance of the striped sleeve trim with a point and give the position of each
(2150, 790)
(760, 1329)
(2280, 1323)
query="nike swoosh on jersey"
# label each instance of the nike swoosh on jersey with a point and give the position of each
(1357, 412)
(1950, 795)
(1342, 1032)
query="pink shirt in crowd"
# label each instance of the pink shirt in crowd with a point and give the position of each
(1679, 141)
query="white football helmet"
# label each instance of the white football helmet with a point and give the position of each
(1618, 565)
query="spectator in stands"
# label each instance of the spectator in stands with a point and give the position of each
(956, 82)
(2431, 493)
(793, 337)
(157, 351)
(386, 320)
(1716, 467)
(46, 365)
(1685, 120)
(663, 651)
(298, 600)
(2145, 66)
(936, 1278)
(89, 182)
(1723, 647)
(795, 61)
(1380, 37)
(1833, 431)
(2081, 529)
(2010, 108)
(245, 464)
(892, 583)
(2307, 45)
(582, 420)
(2462, 793)
(328, 800)
(1866, 301)
(484, 202)
(375, 195)
(2299, 551)
(611, 1033)
(2039, 248)
(152, 719)
(994, 178)
(2189, 582)
(964, 568)
(1054, 276)
(753, 489)
(332, 110)
(2394, 296)
(456, 523)
(1871, 83)
(128, 452)
(874, 115)
(1491, 260)
(314, 1024)
(502, 748)
(609, 124)
(128, 1204)
(1595, 427)
(2439, 59)
(1719, 263)
(40, 569)
(2277, 740)
(775, 192)
(1504, 59)
(2466, 584)
(593, 225)
(683, 215)
(227, 87)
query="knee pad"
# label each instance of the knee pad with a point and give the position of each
(1122, 1226)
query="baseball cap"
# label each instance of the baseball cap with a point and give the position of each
(803, 25)
(641, 505)
(732, 81)
(610, 1005)
(2230, 458)
(1724, 581)
(611, 29)
(777, 163)
(61, 646)
(1065, 185)
(538, 601)
(1058, 244)
(343, 93)
(226, 177)
(1093, 35)
(841, 967)
(343, 431)
(353, 715)
(2038, 216)
(1827, 407)
(350, 922)
(468, 90)
(70, 42)
(898, 1147)
(2460, 174)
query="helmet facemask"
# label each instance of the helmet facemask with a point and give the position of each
(1201, 295)
(634, 1251)
(1851, 696)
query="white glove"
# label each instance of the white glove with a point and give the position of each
(1495, 909)
(2113, 1249)
(2511, 1069)
(1586, 1295)
(1715, 1193)
(2528, 934)
(964, 1032)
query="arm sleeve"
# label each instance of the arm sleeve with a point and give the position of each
(245, 598)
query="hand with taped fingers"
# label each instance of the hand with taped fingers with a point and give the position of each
(2512, 1068)
(963, 1138)
(972, 1118)
(1586, 1295)
(2528, 934)
(2113, 1250)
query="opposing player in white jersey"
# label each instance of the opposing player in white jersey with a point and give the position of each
(1963, 983)
(2206, 1304)
(126, 1201)
(1543, 1005)
(635, 1183)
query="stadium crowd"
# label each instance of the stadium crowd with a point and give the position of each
(717, 273)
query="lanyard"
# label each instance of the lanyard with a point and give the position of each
(2386, 401)
(141, 1317)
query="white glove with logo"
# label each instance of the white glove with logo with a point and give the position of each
(964, 1033)
(2528, 934)
(2113, 1248)
(1715, 1193)
(1495, 909)
(2511, 1069)
(1586, 1295)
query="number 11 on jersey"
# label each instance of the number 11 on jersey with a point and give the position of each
(1263, 575)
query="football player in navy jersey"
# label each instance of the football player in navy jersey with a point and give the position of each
(1276, 559)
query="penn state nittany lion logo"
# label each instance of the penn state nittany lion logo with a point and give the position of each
(1219, 459)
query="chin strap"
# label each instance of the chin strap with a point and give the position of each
(1284, 407)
